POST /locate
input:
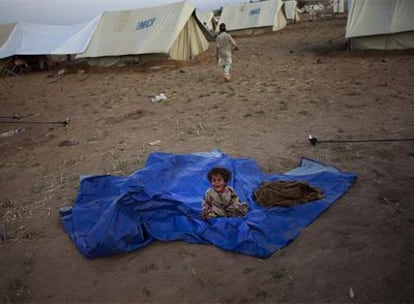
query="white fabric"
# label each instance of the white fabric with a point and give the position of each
(78, 42)
(5, 31)
(398, 41)
(41, 39)
(253, 15)
(338, 6)
(189, 43)
(225, 43)
(152, 30)
(291, 10)
(367, 18)
(205, 18)
(381, 24)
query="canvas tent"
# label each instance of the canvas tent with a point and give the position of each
(291, 11)
(381, 24)
(169, 30)
(338, 6)
(252, 18)
(5, 31)
(42, 39)
(207, 19)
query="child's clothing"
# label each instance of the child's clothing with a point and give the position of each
(225, 43)
(222, 204)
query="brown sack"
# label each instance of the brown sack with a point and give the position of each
(286, 193)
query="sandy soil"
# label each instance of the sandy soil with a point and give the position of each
(286, 85)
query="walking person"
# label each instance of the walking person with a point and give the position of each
(225, 43)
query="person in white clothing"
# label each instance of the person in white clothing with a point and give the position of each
(225, 43)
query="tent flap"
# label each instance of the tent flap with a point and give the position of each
(42, 39)
(381, 24)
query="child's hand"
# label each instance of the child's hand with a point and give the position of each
(204, 215)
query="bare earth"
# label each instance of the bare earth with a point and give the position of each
(286, 85)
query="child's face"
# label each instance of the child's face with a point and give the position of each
(218, 183)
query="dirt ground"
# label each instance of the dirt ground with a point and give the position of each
(286, 85)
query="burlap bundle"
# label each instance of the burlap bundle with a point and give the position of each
(286, 193)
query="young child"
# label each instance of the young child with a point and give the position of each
(224, 45)
(221, 200)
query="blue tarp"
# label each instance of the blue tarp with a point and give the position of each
(162, 201)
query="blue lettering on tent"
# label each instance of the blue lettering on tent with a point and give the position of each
(145, 24)
(255, 11)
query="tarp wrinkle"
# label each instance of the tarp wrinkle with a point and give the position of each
(162, 201)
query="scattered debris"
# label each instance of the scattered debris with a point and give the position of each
(12, 132)
(159, 97)
(67, 143)
(61, 72)
(351, 293)
(154, 143)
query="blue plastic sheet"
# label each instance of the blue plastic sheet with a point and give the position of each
(162, 201)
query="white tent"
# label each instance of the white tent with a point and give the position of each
(338, 6)
(5, 31)
(250, 18)
(381, 24)
(41, 39)
(207, 19)
(291, 10)
(169, 30)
